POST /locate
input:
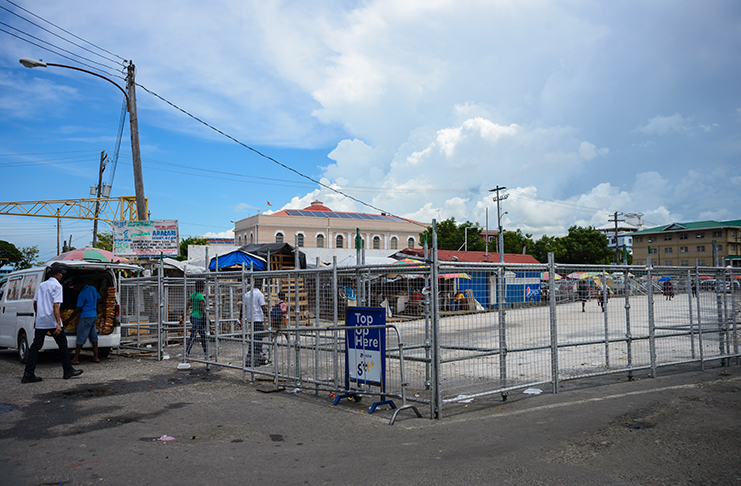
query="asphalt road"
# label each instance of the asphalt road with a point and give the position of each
(683, 427)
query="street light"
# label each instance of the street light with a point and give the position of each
(141, 205)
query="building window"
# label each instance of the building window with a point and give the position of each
(683, 237)
(376, 243)
(320, 241)
(667, 237)
(410, 242)
(717, 234)
(720, 248)
(651, 239)
(339, 241)
(394, 243)
(300, 240)
(652, 251)
(639, 239)
(684, 263)
(252, 238)
(668, 263)
(700, 235)
(684, 249)
(668, 250)
(701, 263)
(279, 237)
(701, 248)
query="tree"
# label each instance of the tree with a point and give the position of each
(28, 257)
(191, 240)
(514, 242)
(105, 241)
(584, 245)
(547, 244)
(9, 254)
(452, 236)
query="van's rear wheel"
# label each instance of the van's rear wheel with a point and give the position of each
(23, 347)
(103, 352)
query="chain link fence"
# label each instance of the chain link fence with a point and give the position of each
(464, 330)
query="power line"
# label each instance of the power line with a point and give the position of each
(61, 55)
(267, 156)
(59, 36)
(54, 45)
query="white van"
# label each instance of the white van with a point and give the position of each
(17, 290)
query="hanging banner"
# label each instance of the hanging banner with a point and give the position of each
(145, 239)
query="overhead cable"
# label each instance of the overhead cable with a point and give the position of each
(281, 164)
(59, 36)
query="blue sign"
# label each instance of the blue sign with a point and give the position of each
(365, 349)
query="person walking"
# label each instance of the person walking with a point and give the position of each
(197, 318)
(255, 310)
(49, 296)
(583, 292)
(87, 306)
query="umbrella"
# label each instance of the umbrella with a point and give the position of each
(546, 276)
(456, 275)
(88, 254)
(664, 279)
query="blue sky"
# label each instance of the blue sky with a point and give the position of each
(579, 108)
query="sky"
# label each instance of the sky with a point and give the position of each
(416, 108)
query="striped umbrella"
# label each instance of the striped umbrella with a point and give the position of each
(88, 254)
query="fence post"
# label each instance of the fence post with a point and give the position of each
(335, 322)
(428, 302)
(501, 300)
(628, 335)
(692, 321)
(554, 323)
(733, 315)
(605, 298)
(185, 316)
(719, 306)
(317, 310)
(161, 306)
(699, 317)
(435, 395)
(243, 320)
(651, 325)
(217, 312)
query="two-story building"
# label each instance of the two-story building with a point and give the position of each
(681, 244)
(331, 232)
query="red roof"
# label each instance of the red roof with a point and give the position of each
(473, 256)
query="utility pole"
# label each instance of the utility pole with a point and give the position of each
(615, 219)
(97, 202)
(499, 221)
(141, 208)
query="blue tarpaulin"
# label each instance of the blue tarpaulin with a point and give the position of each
(235, 259)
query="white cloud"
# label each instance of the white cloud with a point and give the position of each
(662, 125)
(222, 234)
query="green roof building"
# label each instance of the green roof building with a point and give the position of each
(709, 243)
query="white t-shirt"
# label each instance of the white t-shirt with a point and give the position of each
(47, 294)
(253, 302)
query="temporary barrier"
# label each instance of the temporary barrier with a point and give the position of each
(469, 330)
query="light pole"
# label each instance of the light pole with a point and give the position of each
(141, 205)
(499, 221)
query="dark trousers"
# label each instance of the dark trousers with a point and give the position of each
(257, 333)
(38, 342)
(197, 328)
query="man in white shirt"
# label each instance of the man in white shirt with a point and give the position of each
(49, 320)
(255, 310)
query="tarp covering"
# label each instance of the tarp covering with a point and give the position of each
(236, 258)
(185, 267)
(261, 250)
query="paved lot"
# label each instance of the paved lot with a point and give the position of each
(683, 427)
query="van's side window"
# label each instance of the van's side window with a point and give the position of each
(2, 289)
(14, 289)
(29, 287)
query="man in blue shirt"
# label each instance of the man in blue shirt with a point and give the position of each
(87, 306)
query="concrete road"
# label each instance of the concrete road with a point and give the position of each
(683, 427)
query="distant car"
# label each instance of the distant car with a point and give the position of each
(707, 284)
